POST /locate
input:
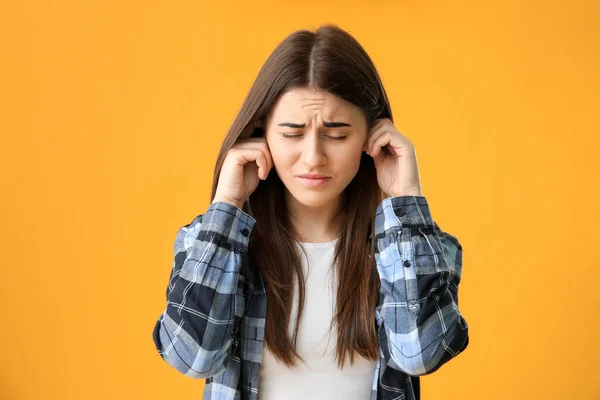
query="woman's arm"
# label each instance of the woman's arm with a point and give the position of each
(420, 326)
(205, 298)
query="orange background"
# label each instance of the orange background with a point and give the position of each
(112, 115)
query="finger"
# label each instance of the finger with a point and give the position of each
(262, 167)
(245, 156)
(375, 134)
(264, 148)
(259, 156)
(372, 129)
(382, 141)
(268, 158)
(257, 143)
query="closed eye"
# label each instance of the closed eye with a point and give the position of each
(330, 137)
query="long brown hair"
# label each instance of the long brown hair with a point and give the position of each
(329, 59)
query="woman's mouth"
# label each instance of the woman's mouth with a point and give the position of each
(314, 182)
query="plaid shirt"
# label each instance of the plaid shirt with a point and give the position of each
(213, 325)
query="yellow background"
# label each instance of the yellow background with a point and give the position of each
(112, 115)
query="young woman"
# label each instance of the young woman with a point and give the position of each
(317, 271)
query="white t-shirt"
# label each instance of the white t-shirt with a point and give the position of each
(320, 377)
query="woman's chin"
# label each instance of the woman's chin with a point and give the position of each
(312, 199)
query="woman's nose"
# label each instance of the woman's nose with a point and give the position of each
(312, 150)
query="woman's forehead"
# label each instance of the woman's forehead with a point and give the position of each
(303, 103)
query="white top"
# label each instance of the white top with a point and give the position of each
(320, 377)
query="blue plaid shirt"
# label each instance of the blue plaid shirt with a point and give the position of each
(213, 326)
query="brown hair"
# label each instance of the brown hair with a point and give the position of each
(328, 59)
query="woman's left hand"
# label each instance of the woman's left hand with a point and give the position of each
(397, 170)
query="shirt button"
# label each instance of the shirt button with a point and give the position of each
(414, 308)
(400, 212)
(245, 232)
(406, 263)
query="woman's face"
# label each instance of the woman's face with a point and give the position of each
(303, 140)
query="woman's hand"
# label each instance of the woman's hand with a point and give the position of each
(248, 161)
(395, 160)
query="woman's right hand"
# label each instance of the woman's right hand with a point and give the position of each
(245, 163)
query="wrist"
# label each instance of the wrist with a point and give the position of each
(228, 201)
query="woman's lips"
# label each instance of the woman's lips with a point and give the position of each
(314, 182)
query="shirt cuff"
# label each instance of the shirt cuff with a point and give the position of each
(229, 221)
(396, 212)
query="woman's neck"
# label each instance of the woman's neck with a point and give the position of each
(315, 224)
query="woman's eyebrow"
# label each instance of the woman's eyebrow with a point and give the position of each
(326, 124)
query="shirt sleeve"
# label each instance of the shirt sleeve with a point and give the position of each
(205, 298)
(420, 326)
